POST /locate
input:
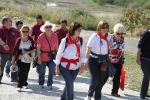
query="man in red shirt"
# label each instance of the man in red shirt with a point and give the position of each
(62, 30)
(19, 24)
(35, 32)
(8, 36)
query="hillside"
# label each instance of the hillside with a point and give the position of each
(87, 12)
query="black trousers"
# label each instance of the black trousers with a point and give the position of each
(116, 78)
(23, 73)
(97, 77)
(145, 66)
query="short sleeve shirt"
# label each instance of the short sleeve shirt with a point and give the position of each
(45, 46)
(117, 49)
(99, 46)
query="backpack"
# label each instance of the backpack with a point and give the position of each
(67, 40)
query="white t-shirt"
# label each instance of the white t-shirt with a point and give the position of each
(70, 53)
(24, 46)
(99, 46)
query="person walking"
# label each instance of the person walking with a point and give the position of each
(24, 45)
(8, 36)
(35, 32)
(47, 46)
(67, 63)
(116, 56)
(19, 24)
(61, 33)
(97, 52)
(143, 59)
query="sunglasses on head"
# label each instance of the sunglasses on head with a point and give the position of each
(48, 27)
(106, 27)
(25, 31)
(119, 33)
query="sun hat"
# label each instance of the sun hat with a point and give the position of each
(47, 23)
(13, 68)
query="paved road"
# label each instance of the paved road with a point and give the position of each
(8, 90)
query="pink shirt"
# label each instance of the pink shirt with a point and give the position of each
(45, 46)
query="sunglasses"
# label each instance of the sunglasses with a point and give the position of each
(79, 30)
(119, 33)
(105, 27)
(48, 27)
(25, 31)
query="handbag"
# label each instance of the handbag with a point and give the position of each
(50, 53)
(122, 78)
(26, 58)
(121, 60)
(111, 69)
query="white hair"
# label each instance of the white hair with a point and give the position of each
(118, 27)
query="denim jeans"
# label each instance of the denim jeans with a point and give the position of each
(145, 66)
(7, 66)
(5, 58)
(38, 69)
(51, 66)
(97, 77)
(69, 77)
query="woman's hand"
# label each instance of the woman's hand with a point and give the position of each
(57, 71)
(13, 62)
(82, 69)
(24, 52)
(39, 60)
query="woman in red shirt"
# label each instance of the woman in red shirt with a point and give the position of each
(47, 45)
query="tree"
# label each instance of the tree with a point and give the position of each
(133, 18)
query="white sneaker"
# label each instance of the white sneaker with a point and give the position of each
(41, 86)
(19, 89)
(50, 88)
(87, 98)
(25, 87)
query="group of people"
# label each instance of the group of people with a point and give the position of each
(62, 50)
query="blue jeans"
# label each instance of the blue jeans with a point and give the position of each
(38, 69)
(51, 66)
(5, 58)
(69, 77)
(7, 66)
(145, 66)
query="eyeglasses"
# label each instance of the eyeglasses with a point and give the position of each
(48, 27)
(25, 31)
(79, 29)
(119, 33)
(106, 27)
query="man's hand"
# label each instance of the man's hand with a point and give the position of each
(6, 47)
(138, 61)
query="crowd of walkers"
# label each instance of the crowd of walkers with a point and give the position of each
(62, 50)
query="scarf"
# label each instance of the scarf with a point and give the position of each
(75, 43)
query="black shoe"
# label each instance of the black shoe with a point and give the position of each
(147, 96)
(142, 97)
(14, 80)
(0, 82)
